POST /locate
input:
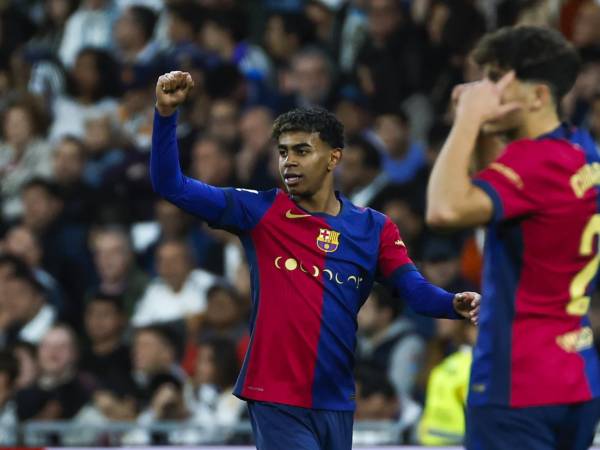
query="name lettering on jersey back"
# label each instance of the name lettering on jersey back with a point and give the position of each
(509, 173)
(586, 177)
(575, 341)
(292, 264)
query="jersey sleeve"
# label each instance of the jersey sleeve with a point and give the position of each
(513, 181)
(236, 210)
(244, 209)
(393, 254)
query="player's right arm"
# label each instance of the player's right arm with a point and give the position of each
(232, 209)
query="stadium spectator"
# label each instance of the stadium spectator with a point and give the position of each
(92, 85)
(50, 32)
(361, 176)
(59, 392)
(21, 242)
(312, 79)
(443, 421)
(118, 274)
(106, 356)
(376, 400)
(179, 291)
(174, 224)
(154, 350)
(68, 163)
(403, 155)
(90, 26)
(211, 401)
(257, 149)
(29, 370)
(213, 162)
(24, 153)
(133, 34)
(29, 314)
(388, 342)
(64, 254)
(9, 370)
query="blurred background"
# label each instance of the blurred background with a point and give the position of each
(122, 319)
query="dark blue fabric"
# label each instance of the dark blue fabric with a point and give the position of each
(422, 296)
(565, 427)
(279, 427)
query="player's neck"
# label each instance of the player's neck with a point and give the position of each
(323, 201)
(536, 125)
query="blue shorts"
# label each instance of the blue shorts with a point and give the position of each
(277, 427)
(561, 427)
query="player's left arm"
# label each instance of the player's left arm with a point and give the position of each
(399, 274)
(452, 199)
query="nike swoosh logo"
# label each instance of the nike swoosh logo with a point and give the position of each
(290, 215)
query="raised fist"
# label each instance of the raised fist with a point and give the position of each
(171, 90)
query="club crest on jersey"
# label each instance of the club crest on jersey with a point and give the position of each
(328, 240)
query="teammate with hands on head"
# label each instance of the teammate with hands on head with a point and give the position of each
(313, 259)
(535, 379)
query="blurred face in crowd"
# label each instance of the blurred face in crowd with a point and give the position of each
(112, 256)
(255, 129)
(441, 272)
(354, 117)
(353, 174)
(28, 366)
(68, 162)
(205, 366)
(222, 310)
(85, 73)
(278, 43)
(594, 118)
(98, 134)
(18, 128)
(22, 301)
(372, 318)
(586, 29)
(223, 121)
(312, 77)
(214, 38)
(211, 163)
(40, 208)
(375, 407)
(58, 10)
(405, 218)
(103, 321)
(150, 353)
(173, 221)
(128, 33)
(57, 353)
(21, 242)
(173, 264)
(393, 132)
(384, 18)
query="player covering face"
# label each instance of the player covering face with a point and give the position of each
(535, 379)
(313, 259)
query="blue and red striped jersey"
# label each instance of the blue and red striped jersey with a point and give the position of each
(535, 344)
(310, 274)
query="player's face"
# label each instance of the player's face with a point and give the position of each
(515, 91)
(305, 162)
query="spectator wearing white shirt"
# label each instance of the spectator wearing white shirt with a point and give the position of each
(91, 25)
(179, 291)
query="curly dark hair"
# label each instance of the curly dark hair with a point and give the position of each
(534, 53)
(311, 120)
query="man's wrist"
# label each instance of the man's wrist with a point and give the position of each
(164, 110)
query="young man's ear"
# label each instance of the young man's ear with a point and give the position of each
(334, 158)
(542, 96)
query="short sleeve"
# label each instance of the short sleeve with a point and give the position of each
(244, 209)
(511, 181)
(393, 254)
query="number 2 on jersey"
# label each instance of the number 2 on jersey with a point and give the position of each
(580, 302)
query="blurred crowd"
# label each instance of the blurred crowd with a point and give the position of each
(117, 306)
